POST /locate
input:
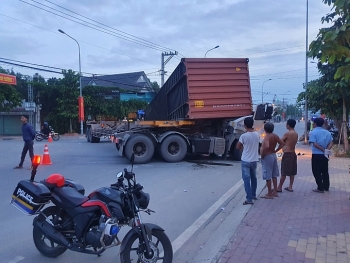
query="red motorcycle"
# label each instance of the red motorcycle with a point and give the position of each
(90, 224)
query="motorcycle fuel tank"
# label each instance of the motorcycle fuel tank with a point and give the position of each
(106, 194)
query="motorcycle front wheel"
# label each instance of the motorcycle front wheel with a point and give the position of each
(38, 137)
(42, 243)
(162, 251)
(56, 137)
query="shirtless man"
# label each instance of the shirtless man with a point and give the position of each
(269, 159)
(289, 159)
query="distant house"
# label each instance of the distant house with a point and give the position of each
(136, 85)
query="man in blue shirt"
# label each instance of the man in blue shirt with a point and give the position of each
(321, 141)
(28, 138)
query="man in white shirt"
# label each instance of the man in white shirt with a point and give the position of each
(249, 142)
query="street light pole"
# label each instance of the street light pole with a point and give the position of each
(210, 50)
(306, 70)
(283, 102)
(262, 91)
(80, 87)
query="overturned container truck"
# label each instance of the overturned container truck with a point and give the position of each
(199, 110)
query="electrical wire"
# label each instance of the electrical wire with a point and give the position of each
(56, 72)
(92, 26)
(108, 26)
(79, 40)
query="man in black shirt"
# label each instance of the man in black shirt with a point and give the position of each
(28, 138)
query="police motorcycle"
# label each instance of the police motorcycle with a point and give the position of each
(90, 224)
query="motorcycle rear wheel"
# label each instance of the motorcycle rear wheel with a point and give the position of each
(56, 137)
(38, 137)
(160, 246)
(42, 243)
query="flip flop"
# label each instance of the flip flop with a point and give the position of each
(266, 197)
(317, 191)
(287, 189)
(247, 203)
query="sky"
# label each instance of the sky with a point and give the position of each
(128, 36)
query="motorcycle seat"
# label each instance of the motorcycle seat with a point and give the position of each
(70, 196)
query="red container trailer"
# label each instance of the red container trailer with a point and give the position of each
(199, 110)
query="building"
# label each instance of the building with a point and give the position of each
(135, 85)
(10, 122)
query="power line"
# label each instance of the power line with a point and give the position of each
(95, 27)
(24, 66)
(51, 71)
(109, 26)
(79, 40)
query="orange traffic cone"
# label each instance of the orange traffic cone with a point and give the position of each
(50, 138)
(46, 157)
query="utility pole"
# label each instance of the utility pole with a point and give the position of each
(163, 63)
(306, 70)
(30, 100)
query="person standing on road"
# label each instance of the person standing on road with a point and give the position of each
(249, 142)
(289, 158)
(28, 135)
(269, 159)
(321, 141)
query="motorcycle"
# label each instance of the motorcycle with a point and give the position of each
(90, 224)
(335, 134)
(39, 136)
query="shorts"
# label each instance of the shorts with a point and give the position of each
(270, 167)
(289, 164)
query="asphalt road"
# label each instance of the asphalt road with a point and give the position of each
(199, 206)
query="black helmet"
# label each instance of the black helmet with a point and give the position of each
(141, 199)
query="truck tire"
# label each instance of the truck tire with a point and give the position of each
(88, 134)
(95, 139)
(173, 149)
(235, 153)
(142, 146)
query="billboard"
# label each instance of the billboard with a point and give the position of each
(7, 79)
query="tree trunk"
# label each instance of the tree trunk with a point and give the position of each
(70, 125)
(345, 128)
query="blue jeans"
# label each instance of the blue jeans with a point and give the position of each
(249, 179)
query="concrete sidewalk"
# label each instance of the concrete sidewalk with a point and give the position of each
(299, 226)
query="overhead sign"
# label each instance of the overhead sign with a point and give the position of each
(8, 79)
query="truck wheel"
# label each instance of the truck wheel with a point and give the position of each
(95, 139)
(88, 134)
(141, 146)
(235, 153)
(173, 149)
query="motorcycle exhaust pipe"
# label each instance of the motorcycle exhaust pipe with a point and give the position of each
(51, 233)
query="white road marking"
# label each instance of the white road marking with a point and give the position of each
(16, 259)
(180, 240)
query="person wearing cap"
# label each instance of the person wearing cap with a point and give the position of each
(28, 135)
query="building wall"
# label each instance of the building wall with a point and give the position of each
(147, 96)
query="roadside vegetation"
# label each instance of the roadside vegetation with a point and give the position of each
(59, 100)
(331, 92)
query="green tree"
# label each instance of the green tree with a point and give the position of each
(9, 97)
(331, 47)
(67, 99)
